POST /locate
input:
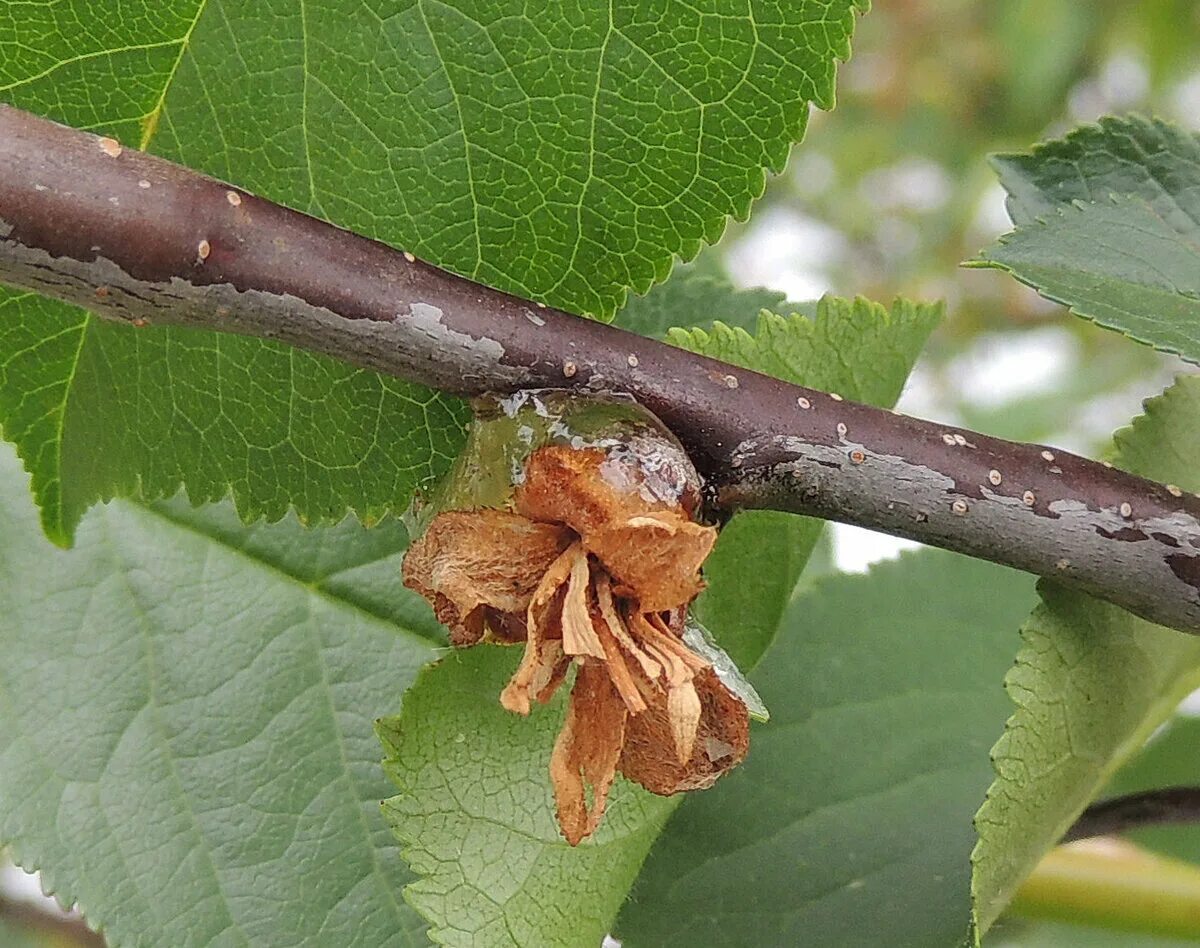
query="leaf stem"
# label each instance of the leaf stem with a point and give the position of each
(139, 240)
(1116, 885)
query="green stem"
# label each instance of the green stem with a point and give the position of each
(1116, 885)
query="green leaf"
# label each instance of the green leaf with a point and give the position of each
(860, 350)
(1108, 223)
(751, 574)
(185, 723)
(700, 641)
(567, 156)
(99, 410)
(849, 824)
(690, 299)
(1133, 156)
(1116, 262)
(877, 346)
(461, 802)
(1090, 684)
(475, 813)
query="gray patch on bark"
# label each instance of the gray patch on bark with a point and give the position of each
(897, 496)
(416, 346)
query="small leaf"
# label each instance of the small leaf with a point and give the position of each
(1108, 223)
(700, 641)
(185, 723)
(849, 823)
(1116, 262)
(690, 300)
(1130, 155)
(878, 346)
(751, 574)
(1090, 684)
(475, 814)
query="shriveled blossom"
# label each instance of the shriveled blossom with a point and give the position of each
(592, 561)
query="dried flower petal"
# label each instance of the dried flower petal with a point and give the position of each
(542, 670)
(465, 566)
(586, 752)
(579, 638)
(608, 612)
(683, 711)
(595, 565)
(544, 663)
(619, 672)
(649, 544)
(721, 741)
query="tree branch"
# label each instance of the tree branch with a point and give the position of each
(1163, 806)
(140, 240)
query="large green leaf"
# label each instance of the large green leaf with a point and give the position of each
(850, 822)
(859, 349)
(185, 723)
(475, 813)
(461, 802)
(1108, 223)
(566, 154)
(99, 410)
(1090, 684)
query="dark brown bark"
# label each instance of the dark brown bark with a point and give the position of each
(1166, 806)
(138, 239)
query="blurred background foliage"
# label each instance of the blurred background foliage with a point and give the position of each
(891, 191)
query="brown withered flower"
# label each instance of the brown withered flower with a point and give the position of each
(591, 558)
